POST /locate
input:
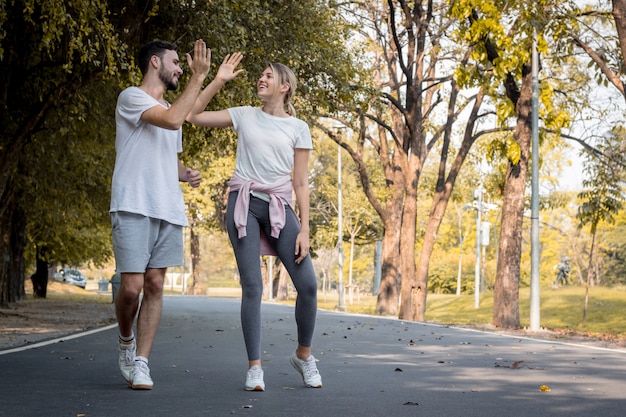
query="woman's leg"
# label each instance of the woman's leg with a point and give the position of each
(249, 266)
(303, 278)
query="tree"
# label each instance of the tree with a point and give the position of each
(603, 197)
(414, 89)
(51, 54)
(502, 35)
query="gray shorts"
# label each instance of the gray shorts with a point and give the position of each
(141, 242)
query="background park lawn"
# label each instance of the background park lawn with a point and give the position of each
(561, 309)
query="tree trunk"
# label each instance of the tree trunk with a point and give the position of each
(590, 271)
(506, 291)
(391, 275)
(388, 293)
(619, 15)
(413, 292)
(40, 277)
(12, 242)
(414, 295)
(194, 251)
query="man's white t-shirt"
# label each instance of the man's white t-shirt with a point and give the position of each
(145, 178)
(266, 144)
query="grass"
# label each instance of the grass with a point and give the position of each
(57, 291)
(560, 309)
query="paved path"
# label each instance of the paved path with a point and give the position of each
(370, 367)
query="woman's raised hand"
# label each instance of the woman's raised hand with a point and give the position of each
(227, 71)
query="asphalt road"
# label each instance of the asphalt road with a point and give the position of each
(370, 367)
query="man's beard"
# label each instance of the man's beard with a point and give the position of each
(168, 81)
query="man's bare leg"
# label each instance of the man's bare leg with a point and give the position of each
(150, 310)
(127, 301)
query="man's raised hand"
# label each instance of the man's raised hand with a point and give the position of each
(201, 61)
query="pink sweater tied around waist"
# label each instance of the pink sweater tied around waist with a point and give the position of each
(278, 192)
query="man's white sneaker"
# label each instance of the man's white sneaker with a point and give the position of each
(254, 379)
(140, 376)
(308, 370)
(126, 358)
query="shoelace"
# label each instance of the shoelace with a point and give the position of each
(143, 367)
(128, 357)
(310, 369)
(255, 373)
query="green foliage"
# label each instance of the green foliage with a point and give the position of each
(359, 217)
(217, 267)
(66, 188)
(603, 196)
(613, 252)
(57, 126)
(501, 35)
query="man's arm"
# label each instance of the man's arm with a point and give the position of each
(174, 116)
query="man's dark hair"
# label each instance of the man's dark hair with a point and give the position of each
(157, 48)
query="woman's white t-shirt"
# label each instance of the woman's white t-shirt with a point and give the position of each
(266, 144)
(145, 178)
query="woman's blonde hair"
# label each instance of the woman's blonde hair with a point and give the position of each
(284, 75)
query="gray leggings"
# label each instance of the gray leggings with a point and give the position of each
(247, 251)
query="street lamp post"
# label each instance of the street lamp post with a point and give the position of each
(482, 239)
(341, 305)
(535, 303)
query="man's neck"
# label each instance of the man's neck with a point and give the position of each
(154, 87)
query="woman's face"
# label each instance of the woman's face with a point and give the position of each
(267, 85)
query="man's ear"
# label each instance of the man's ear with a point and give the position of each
(155, 61)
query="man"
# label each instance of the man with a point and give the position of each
(147, 207)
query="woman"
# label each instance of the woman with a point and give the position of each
(272, 158)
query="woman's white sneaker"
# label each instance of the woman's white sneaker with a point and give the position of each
(308, 370)
(254, 379)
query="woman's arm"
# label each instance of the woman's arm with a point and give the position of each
(301, 188)
(220, 118)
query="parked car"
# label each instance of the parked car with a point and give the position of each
(71, 276)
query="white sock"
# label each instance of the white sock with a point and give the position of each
(127, 339)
